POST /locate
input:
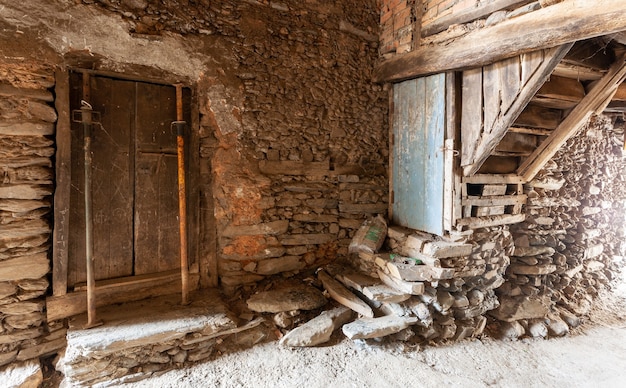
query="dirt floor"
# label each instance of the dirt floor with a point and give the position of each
(594, 356)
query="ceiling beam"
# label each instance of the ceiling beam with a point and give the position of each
(561, 23)
(594, 102)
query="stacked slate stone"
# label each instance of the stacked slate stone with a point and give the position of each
(26, 124)
(574, 227)
(427, 288)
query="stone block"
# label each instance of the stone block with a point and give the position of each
(287, 299)
(444, 249)
(22, 375)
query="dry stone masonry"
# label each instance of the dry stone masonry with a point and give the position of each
(27, 121)
(564, 251)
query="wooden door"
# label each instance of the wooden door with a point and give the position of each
(134, 175)
(418, 153)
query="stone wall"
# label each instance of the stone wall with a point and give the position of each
(564, 251)
(26, 150)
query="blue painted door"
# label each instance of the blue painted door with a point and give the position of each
(418, 153)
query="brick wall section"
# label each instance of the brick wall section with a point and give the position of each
(26, 149)
(397, 19)
(396, 25)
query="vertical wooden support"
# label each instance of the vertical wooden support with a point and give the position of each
(63, 171)
(182, 195)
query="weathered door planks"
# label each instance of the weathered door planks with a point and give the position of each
(134, 173)
(418, 168)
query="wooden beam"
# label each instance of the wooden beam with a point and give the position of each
(531, 131)
(596, 100)
(117, 291)
(468, 14)
(620, 94)
(60, 233)
(552, 26)
(580, 73)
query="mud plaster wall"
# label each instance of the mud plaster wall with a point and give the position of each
(293, 135)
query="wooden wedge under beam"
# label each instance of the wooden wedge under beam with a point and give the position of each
(594, 102)
(567, 21)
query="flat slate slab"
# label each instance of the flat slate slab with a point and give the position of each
(377, 327)
(23, 375)
(146, 322)
(319, 329)
(300, 297)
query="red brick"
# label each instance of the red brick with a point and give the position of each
(386, 16)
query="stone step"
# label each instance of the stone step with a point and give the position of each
(144, 337)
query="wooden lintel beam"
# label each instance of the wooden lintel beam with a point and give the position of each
(561, 23)
(596, 100)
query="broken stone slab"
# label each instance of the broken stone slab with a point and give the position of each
(342, 295)
(521, 307)
(411, 288)
(281, 264)
(22, 375)
(300, 297)
(25, 267)
(7, 289)
(533, 251)
(384, 293)
(356, 281)
(319, 329)
(520, 269)
(364, 328)
(445, 249)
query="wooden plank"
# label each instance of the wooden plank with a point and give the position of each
(489, 142)
(484, 222)
(535, 116)
(497, 200)
(60, 234)
(468, 14)
(620, 94)
(157, 235)
(450, 162)
(489, 211)
(494, 179)
(510, 82)
(64, 306)
(597, 98)
(492, 90)
(517, 142)
(530, 62)
(112, 198)
(499, 165)
(472, 113)
(552, 26)
(494, 190)
(560, 93)
(530, 131)
(391, 157)
(76, 242)
(580, 73)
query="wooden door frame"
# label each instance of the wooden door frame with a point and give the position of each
(60, 252)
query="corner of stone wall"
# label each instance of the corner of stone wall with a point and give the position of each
(27, 121)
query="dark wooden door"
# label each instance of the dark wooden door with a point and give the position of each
(134, 175)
